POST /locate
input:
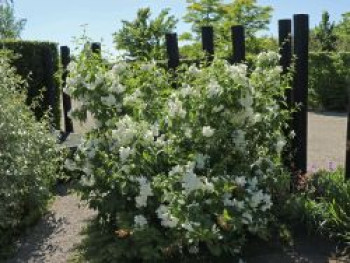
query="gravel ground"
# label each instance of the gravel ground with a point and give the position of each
(54, 237)
(327, 139)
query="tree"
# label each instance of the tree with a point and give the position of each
(222, 16)
(10, 27)
(203, 13)
(144, 38)
(325, 33)
(343, 32)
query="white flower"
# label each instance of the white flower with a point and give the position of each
(186, 91)
(188, 132)
(145, 192)
(280, 144)
(175, 108)
(208, 186)
(217, 109)
(201, 160)
(257, 117)
(155, 130)
(124, 153)
(147, 66)
(247, 218)
(87, 180)
(109, 101)
(246, 101)
(167, 220)
(119, 67)
(253, 182)
(240, 181)
(292, 134)
(176, 170)
(238, 73)
(194, 70)
(238, 204)
(69, 165)
(117, 88)
(190, 182)
(207, 131)
(130, 99)
(140, 221)
(270, 58)
(188, 226)
(256, 199)
(267, 202)
(213, 89)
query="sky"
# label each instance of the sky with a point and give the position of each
(61, 21)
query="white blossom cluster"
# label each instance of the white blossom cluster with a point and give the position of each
(193, 161)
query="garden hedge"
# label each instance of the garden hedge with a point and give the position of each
(32, 63)
(329, 80)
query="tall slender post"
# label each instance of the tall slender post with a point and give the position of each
(285, 45)
(300, 91)
(67, 103)
(238, 44)
(49, 83)
(172, 48)
(347, 162)
(96, 48)
(208, 42)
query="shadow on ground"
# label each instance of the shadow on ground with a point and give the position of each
(306, 249)
(31, 244)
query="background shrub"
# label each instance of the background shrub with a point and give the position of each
(28, 159)
(31, 62)
(329, 80)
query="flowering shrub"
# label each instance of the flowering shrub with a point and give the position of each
(28, 158)
(186, 172)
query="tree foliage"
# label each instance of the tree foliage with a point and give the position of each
(222, 16)
(203, 13)
(10, 27)
(144, 38)
(325, 33)
(343, 33)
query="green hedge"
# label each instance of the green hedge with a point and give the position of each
(31, 63)
(329, 81)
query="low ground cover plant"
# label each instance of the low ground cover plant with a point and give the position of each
(179, 166)
(323, 205)
(29, 159)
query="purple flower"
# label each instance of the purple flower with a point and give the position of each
(313, 168)
(331, 166)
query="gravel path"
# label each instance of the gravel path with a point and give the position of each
(327, 139)
(54, 237)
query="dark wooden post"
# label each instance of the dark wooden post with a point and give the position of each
(96, 48)
(49, 83)
(208, 42)
(300, 91)
(347, 162)
(67, 103)
(238, 44)
(172, 48)
(285, 45)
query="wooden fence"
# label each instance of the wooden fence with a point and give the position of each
(291, 44)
